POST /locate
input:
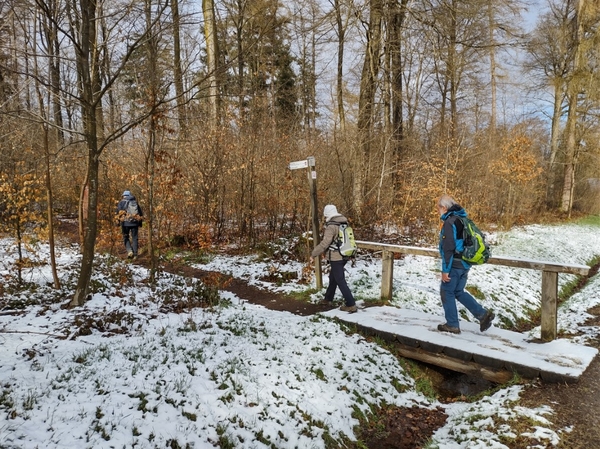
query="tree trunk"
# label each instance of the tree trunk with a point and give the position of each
(492, 43)
(395, 47)
(177, 72)
(571, 128)
(153, 88)
(212, 57)
(341, 32)
(53, 50)
(50, 209)
(551, 181)
(87, 57)
(368, 86)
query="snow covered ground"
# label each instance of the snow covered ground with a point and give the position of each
(239, 375)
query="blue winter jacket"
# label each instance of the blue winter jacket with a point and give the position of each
(451, 241)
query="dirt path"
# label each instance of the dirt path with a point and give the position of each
(268, 299)
(576, 407)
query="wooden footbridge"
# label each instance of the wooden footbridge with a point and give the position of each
(549, 287)
(496, 354)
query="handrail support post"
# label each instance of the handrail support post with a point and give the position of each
(387, 275)
(549, 305)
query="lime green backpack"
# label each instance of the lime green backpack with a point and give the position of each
(475, 249)
(345, 242)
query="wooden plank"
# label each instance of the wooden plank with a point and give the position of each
(387, 275)
(398, 248)
(581, 270)
(471, 368)
(549, 304)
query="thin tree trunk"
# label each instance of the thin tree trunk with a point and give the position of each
(341, 32)
(50, 33)
(49, 210)
(212, 55)
(493, 117)
(87, 56)
(177, 72)
(153, 80)
(395, 48)
(452, 71)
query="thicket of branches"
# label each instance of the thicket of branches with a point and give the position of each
(199, 113)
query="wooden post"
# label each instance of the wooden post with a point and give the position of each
(314, 209)
(387, 274)
(549, 305)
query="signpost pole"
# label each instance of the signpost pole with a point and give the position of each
(314, 209)
(309, 163)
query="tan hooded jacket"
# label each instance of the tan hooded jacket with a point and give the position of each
(331, 232)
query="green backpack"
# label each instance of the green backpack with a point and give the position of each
(475, 249)
(345, 242)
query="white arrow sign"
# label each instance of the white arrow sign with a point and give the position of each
(298, 164)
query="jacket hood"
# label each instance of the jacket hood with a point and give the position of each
(457, 210)
(338, 219)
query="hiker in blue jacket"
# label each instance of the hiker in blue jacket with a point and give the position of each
(130, 216)
(455, 271)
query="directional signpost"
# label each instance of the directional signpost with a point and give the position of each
(309, 163)
(299, 164)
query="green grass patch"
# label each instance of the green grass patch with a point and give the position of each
(593, 220)
(304, 295)
(475, 292)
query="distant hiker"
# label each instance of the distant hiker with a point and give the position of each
(328, 245)
(454, 270)
(130, 216)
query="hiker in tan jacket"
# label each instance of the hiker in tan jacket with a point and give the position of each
(337, 277)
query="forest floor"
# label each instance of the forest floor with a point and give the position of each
(576, 406)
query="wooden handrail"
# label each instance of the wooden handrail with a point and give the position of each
(549, 270)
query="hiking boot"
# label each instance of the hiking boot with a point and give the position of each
(349, 309)
(325, 302)
(130, 254)
(486, 321)
(446, 328)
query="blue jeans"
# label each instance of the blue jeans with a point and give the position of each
(337, 278)
(453, 291)
(131, 245)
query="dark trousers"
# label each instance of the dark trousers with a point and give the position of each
(131, 243)
(337, 278)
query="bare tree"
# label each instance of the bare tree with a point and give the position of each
(585, 30)
(84, 19)
(212, 58)
(177, 70)
(551, 61)
(368, 86)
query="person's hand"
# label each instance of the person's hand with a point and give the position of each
(445, 277)
(311, 259)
